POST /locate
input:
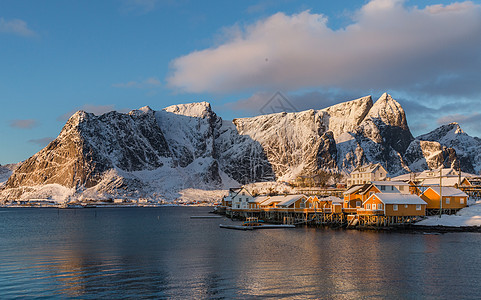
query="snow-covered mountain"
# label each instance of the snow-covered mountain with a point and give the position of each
(448, 144)
(6, 171)
(159, 154)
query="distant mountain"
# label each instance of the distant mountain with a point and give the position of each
(6, 171)
(157, 154)
(447, 143)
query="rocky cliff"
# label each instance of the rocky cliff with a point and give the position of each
(448, 145)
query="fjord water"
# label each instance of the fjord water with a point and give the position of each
(162, 253)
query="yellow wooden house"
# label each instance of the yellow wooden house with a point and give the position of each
(453, 199)
(297, 202)
(353, 197)
(394, 204)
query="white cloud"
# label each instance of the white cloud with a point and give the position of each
(151, 82)
(388, 46)
(17, 27)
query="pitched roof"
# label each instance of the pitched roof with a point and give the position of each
(238, 190)
(259, 199)
(448, 191)
(332, 199)
(389, 183)
(353, 189)
(367, 168)
(288, 200)
(396, 198)
(358, 188)
(275, 199)
(448, 181)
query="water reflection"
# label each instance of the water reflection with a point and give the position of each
(162, 253)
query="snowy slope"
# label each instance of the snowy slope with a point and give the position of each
(160, 154)
(468, 216)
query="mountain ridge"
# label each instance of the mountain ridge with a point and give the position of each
(144, 153)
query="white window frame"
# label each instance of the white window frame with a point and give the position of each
(448, 200)
(368, 206)
(358, 203)
(461, 200)
(379, 206)
(405, 206)
(418, 206)
(394, 207)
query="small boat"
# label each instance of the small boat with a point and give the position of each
(252, 222)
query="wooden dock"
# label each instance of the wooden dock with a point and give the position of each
(206, 217)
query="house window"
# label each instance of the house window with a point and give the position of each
(374, 206)
(379, 206)
(394, 207)
(405, 206)
(382, 187)
(358, 203)
(418, 206)
(461, 200)
(448, 200)
(368, 206)
(371, 193)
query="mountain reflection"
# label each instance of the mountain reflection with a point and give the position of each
(162, 253)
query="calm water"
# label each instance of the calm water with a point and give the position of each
(162, 253)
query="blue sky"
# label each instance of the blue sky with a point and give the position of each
(60, 56)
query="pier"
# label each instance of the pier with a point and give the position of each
(340, 218)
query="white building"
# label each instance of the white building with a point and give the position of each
(240, 198)
(366, 174)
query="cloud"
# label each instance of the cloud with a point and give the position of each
(138, 6)
(388, 46)
(16, 27)
(471, 119)
(95, 109)
(42, 142)
(148, 83)
(272, 102)
(24, 124)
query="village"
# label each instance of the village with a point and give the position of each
(370, 199)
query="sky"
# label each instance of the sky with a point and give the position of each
(57, 57)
